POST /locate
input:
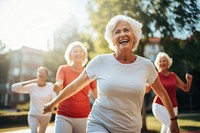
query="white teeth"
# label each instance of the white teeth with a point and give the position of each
(123, 41)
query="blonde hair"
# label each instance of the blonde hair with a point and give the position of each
(135, 26)
(160, 55)
(69, 49)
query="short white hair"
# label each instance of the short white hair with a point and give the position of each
(42, 68)
(69, 49)
(160, 55)
(135, 26)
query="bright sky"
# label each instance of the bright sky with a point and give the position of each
(31, 22)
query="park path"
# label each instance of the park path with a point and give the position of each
(50, 129)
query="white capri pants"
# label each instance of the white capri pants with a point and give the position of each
(161, 113)
(65, 124)
(36, 121)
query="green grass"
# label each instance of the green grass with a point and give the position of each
(187, 122)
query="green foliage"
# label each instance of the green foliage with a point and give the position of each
(163, 17)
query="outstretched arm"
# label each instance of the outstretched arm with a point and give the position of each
(185, 86)
(21, 86)
(162, 93)
(69, 91)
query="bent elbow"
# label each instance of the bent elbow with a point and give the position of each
(187, 90)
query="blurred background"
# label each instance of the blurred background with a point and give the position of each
(36, 33)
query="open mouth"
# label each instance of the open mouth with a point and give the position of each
(123, 41)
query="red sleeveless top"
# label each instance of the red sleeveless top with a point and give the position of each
(170, 84)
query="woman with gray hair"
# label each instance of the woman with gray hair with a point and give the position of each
(72, 113)
(171, 82)
(121, 82)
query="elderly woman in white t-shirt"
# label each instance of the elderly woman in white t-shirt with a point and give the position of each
(121, 82)
(41, 92)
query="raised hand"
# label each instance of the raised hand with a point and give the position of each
(188, 76)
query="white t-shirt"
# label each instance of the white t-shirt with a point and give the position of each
(121, 89)
(39, 96)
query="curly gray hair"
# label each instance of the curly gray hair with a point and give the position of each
(135, 26)
(160, 55)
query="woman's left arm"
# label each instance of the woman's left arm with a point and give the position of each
(162, 93)
(185, 86)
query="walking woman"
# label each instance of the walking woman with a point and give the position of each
(41, 92)
(171, 82)
(72, 113)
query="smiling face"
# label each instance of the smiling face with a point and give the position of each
(123, 37)
(42, 74)
(77, 54)
(163, 64)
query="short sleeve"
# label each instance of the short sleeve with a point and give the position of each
(152, 74)
(92, 67)
(60, 73)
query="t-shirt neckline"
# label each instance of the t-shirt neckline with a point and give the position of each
(123, 63)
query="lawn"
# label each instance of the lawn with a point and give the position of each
(187, 122)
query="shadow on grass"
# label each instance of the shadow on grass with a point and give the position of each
(194, 118)
(190, 128)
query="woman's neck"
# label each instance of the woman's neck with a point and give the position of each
(77, 67)
(125, 58)
(164, 72)
(41, 83)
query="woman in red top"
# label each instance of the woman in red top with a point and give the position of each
(72, 113)
(170, 82)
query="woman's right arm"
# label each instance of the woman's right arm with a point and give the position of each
(69, 91)
(21, 87)
(58, 86)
